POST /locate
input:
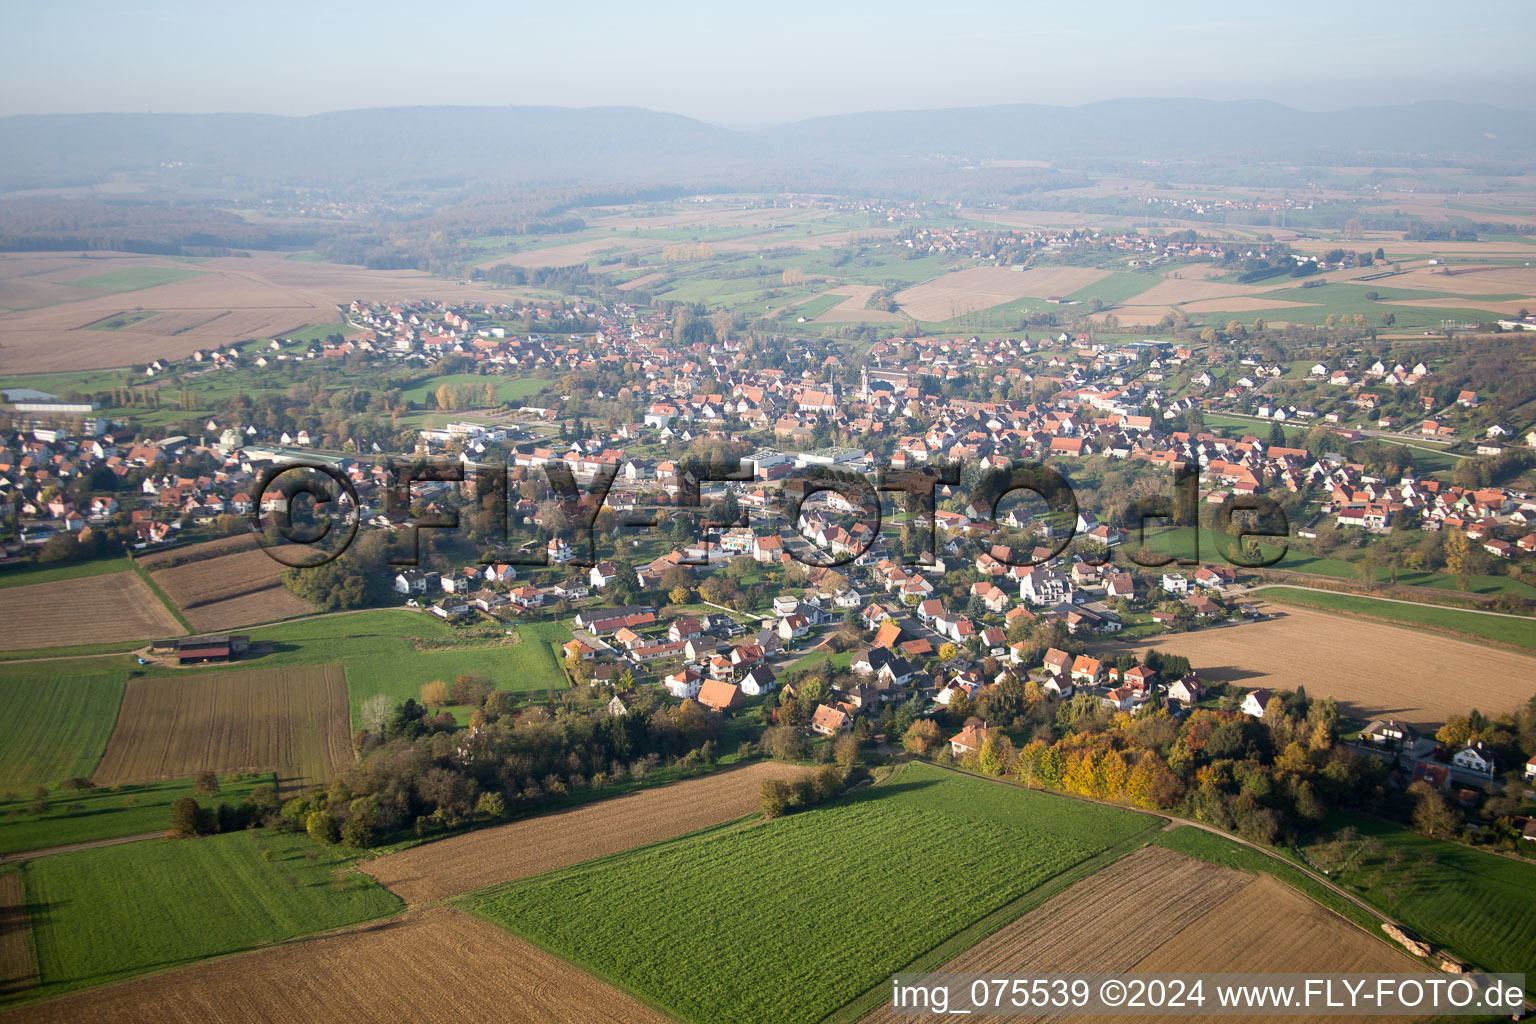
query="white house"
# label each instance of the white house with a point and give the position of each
(1476, 758)
(1175, 583)
(1254, 702)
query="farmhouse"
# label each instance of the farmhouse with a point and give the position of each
(205, 649)
(968, 740)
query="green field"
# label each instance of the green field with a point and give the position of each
(54, 725)
(1116, 288)
(1479, 905)
(82, 816)
(1519, 632)
(102, 914)
(134, 279)
(757, 923)
(122, 320)
(379, 650)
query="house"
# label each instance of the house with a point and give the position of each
(1255, 702)
(828, 721)
(1390, 733)
(1530, 770)
(720, 696)
(968, 740)
(685, 628)
(414, 581)
(757, 681)
(1175, 583)
(1436, 775)
(1186, 690)
(527, 597)
(1086, 670)
(793, 626)
(1476, 757)
(602, 574)
(896, 672)
(683, 684)
(768, 550)
(1058, 662)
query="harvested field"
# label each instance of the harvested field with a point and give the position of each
(436, 966)
(18, 968)
(1372, 669)
(640, 282)
(266, 605)
(523, 849)
(852, 308)
(169, 557)
(1270, 924)
(231, 300)
(965, 291)
(225, 583)
(218, 579)
(90, 610)
(295, 721)
(1160, 911)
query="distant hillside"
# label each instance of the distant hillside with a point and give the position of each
(438, 146)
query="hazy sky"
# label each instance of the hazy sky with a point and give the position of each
(755, 64)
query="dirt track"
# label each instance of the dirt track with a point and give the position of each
(527, 848)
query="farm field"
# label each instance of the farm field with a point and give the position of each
(229, 590)
(54, 724)
(853, 307)
(17, 968)
(1156, 910)
(397, 970)
(1372, 669)
(83, 816)
(26, 575)
(84, 610)
(103, 914)
(507, 853)
(133, 279)
(380, 651)
(921, 856)
(293, 720)
(51, 301)
(1479, 905)
(1521, 632)
(965, 291)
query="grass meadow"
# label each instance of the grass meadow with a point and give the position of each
(54, 723)
(108, 913)
(133, 279)
(1518, 632)
(923, 856)
(83, 816)
(1479, 905)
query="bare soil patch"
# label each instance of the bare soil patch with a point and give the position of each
(523, 849)
(18, 967)
(1240, 304)
(232, 300)
(229, 590)
(1160, 911)
(94, 610)
(965, 291)
(435, 967)
(854, 309)
(1371, 669)
(291, 720)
